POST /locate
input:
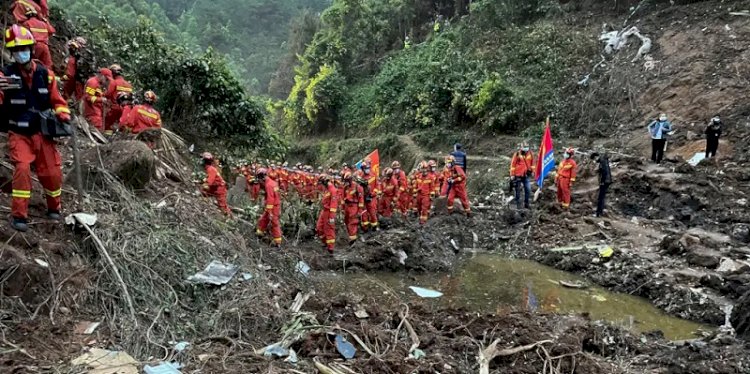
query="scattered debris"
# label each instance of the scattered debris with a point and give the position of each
(402, 256)
(181, 346)
(599, 298)
(88, 219)
(728, 265)
(41, 263)
(697, 158)
(453, 243)
(745, 13)
(163, 368)
(216, 273)
(361, 314)
(345, 348)
(276, 350)
(102, 361)
(303, 268)
(247, 276)
(578, 285)
(425, 292)
(86, 327)
(417, 354)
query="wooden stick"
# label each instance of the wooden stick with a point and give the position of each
(488, 354)
(112, 264)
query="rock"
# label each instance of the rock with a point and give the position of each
(741, 317)
(712, 281)
(704, 257)
(741, 232)
(132, 162)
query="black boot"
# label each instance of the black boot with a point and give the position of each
(20, 224)
(53, 215)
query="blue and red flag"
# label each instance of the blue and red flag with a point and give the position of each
(374, 158)
(546, 160)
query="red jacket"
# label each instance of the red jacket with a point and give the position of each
(330, 198)
(117, 85)
(92, 103)
(390, 186)
(425, 184)
(458, 175)
(567, 170)
(40, 29)
(354, 194)
(372, 184)
(18, 8)
(214, 181)
(273, 200)
(56, 100)
(139, 118)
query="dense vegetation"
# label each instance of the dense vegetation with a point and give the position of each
(493, 65)
(250, 33)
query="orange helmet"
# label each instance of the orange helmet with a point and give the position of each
(388, 172)
(450, 159)
(18, 36)
(348, 176)
(432, 164)
(423, 165)
(124, 96)
(30, 11)
(396, 165)
(149, 97)
(570, 151)
(77, 43)
(262, 172)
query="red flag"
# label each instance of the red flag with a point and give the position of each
(546, 160)
(374, 159)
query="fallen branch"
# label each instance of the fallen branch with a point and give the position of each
(414, 337)
(490, 353)
(103, 250)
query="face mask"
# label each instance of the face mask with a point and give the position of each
(525, 149)
(396, 171)
(449, 165)
(566, 156)
(663, 119)
(22, 57)
(366, 170)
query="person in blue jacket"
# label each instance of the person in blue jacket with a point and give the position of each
(659, 129)
(460, 156)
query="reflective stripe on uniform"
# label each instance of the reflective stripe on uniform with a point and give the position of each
(147, 114)
(270, 206)
(55, 193)
(39, 30)
(23, 194)
(277, 240)
(330, 241)
(123, 89)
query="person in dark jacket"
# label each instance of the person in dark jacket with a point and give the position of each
(605, 179)
(460, 155)
(713, 133)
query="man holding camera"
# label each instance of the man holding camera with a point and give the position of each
(521, 170)
(28, 91)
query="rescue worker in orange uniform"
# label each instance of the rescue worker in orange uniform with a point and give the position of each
(432, 167)
(296, 178)
(272, 211)
(116, 87)
(72, 79)
(141, 117)
(370, 216)
(253, 184)
(455, 186)
(565, 176)
(214, 184)
(42, 31)
(26, 89)
(391, 194)
(326, 226)
(402, 202)
(20, 9)
(95, 101)
(425, 186)
(354, 205)
(284, 177)
(521, 173)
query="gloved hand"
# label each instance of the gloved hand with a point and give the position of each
(450, 180)
(63, 117)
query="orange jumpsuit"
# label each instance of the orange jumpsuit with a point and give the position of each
(284, 179)
(272, 212)
(390, 196)
(370, 216)
(403, 192)
(309, 190)
(457, 189)
(140, 118)
(253, 187)
(566, 175)
(26, 145)
(215, 186)
(325, 229)
(354, 205)
(72, 87)
(42, 31)
(93, 106)
(18, 9)
(425, 186)
(119, 84)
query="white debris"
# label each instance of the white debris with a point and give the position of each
(88, 219)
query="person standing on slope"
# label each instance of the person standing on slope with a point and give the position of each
(272, 211)
(27, 89)
(521, 172)
(370, 217)
(42, 31)
(455, 186)
(214, 184)
(95, 101)
(565, 176)
(460, 156)
(425, 186)
(659, 129)
(605, 179)
(326, 226)
(713, 133)
(354, 205)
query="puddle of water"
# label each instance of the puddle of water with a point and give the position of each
(492, 283)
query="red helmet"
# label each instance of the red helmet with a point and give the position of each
(18, 36)
(207, 156)
(149, 97)
(106, 72)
